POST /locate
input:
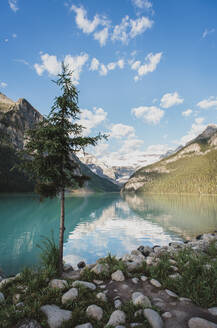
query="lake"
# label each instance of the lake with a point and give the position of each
(98, 224)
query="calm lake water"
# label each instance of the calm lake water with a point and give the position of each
(98, 224)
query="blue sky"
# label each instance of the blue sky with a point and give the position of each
(146, 69)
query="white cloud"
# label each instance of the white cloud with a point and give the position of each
(135, 65)
(208, 103)
(157, 149)
(3, 85)
(187, 113)
(121, 130)
(100, 149)
(120, 31)
(207, 32)
(171, 99)
(6, 40)
(130, 145)
(90, 119)
(103, 70)
(83, 23)
(76, 64)
(196, 128)
(139, 26)
(51, 64)
(101, 36)
(149, 114)
(94, 64)
(142, 4)
(120, 63)
(111, 66)
(14, 35)
(129, 28)
(13, 5)
(150, 65)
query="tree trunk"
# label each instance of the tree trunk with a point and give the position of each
(62, 228)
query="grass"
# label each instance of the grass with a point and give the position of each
(197, 282)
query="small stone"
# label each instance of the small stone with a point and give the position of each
(166, 315)
(81, 265)
(73, 275)
(98, 282)
(170, 293)
(89, 285)
(184, 299)
(6, 281)
(16, 298)
(144, 278)
(2, 298)
(175, 276)
(153, 318)
(149, 260)
(95, 312)
(213, 310)
(70, 295)
(117, 304)
(145, 250)
(117, 317)
(100, 268)
(172, 261)
(29, 324)
(20, 304)
(174, 268)
(58, 283)
(135, 324)
(101, 297)
(55, 315)
(135, 280)
(118, 276)
(140, 299)
(155, 283)
(124, 286)
(85, 325)
(200, 323)
(102, 286)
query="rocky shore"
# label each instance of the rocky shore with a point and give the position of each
(173, 286)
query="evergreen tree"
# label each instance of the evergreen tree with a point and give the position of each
(51, 146)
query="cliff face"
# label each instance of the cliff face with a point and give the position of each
(16, 118)
(192, 169)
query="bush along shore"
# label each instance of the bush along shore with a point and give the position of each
(169, 286)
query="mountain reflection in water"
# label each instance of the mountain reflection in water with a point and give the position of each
(98, 224)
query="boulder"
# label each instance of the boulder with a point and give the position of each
(171, 294)
(140, 299)
(58, 284)
(70, 295)
(117, 317)
(67, 267)
(81, 265)
(86, 284)
(200, 323)
(145, 250)
(55, 315)
(153, 318)
(118, 276)
(95, 312)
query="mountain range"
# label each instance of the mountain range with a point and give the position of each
(15, 119)
(190, 169)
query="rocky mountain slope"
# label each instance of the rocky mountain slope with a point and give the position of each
(116, 174)
(192, 169)
(15, 119)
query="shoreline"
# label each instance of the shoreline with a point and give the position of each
(149, 287)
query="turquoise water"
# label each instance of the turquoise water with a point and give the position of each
(98, 224)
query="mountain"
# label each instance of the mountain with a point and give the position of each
(15, 119)
(116, 174)
(191, 169)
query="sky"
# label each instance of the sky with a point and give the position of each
(146, 70)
